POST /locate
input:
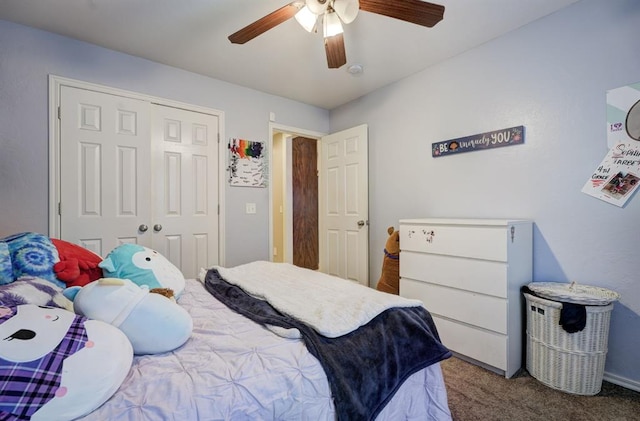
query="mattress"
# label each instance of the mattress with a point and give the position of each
(234, 369)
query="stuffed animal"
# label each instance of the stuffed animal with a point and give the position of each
(165, 292)
(55, 365)
(390, 278)
(143, 266)
(153, 323)
(77, 266)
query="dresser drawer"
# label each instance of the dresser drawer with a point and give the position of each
(478, 242)
(488, 347)
(475, 309)
(486, 277)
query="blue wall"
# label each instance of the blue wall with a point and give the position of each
(28, 56)
(550, 76)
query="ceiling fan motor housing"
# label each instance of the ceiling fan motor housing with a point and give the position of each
(317, 6)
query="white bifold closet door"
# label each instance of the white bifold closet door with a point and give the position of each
(136, 172)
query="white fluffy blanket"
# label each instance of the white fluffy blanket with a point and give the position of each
(331, 305)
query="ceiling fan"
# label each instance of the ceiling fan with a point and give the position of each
(332, 13)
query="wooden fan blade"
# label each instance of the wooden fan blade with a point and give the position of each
(336, 55)
(263, 24)
(414, 11)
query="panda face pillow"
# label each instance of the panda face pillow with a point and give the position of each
(55, 365)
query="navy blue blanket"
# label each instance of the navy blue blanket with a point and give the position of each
(365, 367)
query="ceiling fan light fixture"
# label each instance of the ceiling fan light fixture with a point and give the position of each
(307, 19)
(317, 6)
(332, 24)
(346, 9)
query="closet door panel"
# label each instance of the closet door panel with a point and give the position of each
(105, 170)
(184, 190)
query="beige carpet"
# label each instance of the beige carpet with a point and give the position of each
(479, 394)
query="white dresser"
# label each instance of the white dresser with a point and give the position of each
(468, 274)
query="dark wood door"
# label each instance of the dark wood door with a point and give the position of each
(304, 163)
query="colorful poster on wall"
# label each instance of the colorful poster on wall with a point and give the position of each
(247, 163)
(623, 115)
(488, 140)
(618, 175)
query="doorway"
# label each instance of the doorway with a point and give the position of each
(294, 196)
(343, 221)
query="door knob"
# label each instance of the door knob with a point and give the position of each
(361, 223)
(157, 227)
(143, 228)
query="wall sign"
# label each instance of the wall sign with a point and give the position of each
(488, 140)
(618, 175)
(247, 163)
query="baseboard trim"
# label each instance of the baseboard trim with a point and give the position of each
(621, 381)
(608, 377)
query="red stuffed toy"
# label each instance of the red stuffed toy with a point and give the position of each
(77, 266)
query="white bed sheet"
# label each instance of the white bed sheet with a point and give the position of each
(233, 369)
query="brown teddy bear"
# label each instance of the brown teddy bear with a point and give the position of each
(390, 278)
(167, 292)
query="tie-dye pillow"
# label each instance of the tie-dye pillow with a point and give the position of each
(29, 254)
(6, 270)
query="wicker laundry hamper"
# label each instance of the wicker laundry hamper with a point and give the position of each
(570, 362)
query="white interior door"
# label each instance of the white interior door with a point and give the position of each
(185, 180)
(136, 172)
(105, 169)
(344, 205)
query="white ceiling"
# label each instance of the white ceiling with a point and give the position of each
(285, 61)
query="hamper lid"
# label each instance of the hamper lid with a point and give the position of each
(574, 293)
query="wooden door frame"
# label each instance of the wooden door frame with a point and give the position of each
(55, 85)
(291, 132)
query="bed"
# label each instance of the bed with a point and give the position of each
(235, 368)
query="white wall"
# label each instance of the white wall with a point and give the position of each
(550, 76)
(28, 56)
